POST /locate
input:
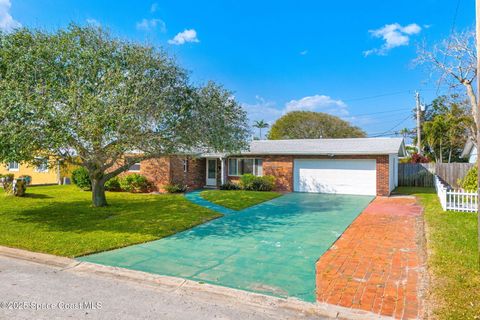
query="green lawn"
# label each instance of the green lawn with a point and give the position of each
(59, 220)
(452, 260)
(238, 199)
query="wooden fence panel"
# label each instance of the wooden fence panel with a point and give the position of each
(422, 174)
(452, 172)
(416, 174)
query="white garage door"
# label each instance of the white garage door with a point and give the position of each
(336, 176)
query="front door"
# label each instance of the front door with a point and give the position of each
(211, 172)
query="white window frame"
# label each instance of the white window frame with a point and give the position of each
(13, 169)
(236, 162)
(37, 167)
(185, 165)
(255, 166)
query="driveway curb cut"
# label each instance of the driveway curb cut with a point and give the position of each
(207, 291)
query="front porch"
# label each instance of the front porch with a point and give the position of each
(215, 171)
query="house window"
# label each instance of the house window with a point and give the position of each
(258, 167)
(42, 165)
(247, 166)
(237, 167)
(232, 167)
(185, 165)
(13, 166)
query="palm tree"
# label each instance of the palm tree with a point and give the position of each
(260, 124)
(405, 132)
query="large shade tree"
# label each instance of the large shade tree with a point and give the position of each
(446, 126)
(312, 125)
(89, 98)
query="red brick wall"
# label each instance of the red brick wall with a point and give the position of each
(281, 167)
(157, 171)
(383, 185)
(194, 178)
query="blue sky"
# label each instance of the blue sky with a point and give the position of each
(348, 58)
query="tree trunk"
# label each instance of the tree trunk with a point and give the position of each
(98, 193)
(472, 98)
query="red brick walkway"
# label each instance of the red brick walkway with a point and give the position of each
(374, 266)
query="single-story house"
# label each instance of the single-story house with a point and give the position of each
(42, 173)
(361, 166)
(470, 151)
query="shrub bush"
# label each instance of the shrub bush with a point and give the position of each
(12, 186)
(26, 178)
(470, 182)
(81, 179)
(246, 181)
(113, 184)
(230, 186)
(175, 188)
(254, 183)
(134, 183)
(417, 158)
(265, 183)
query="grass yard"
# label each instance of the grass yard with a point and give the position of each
(238, 199)
(452, 260)
(59, 220)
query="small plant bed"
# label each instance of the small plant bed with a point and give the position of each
(238, 199)
(452, 258)
(60, 220)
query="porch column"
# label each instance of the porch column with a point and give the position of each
(222, 170)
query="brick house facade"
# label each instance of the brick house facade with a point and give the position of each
(171, 170)
(281, 167)
(192, 171)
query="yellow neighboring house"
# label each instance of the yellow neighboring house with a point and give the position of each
(44, 172)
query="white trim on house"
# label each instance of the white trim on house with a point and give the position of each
(257, 166)
(14, 168)
(209, 181)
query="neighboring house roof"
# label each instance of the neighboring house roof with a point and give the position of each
(467, 149)
(352, 146)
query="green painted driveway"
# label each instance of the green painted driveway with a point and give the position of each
(270, 248)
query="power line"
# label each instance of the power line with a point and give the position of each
(390, 130)
(387, 94)
(377, 96)
(381, 112)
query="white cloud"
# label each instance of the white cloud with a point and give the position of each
(268, 110)
(154, 7)
(318, 103)
(93, 22)
(394, 35)
(262, 110)
(151, 24)
(188, 35)
(7, 23)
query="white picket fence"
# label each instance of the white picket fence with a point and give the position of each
(455, 200)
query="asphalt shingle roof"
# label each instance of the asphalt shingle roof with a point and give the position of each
(353, 146)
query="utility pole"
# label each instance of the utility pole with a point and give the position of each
(419, 129)
(477, 13)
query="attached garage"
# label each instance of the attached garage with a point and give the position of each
(348, 176)
(359, 166)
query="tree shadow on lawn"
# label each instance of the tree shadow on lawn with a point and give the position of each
(149, 216)
(37, 196)
(299, 211)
